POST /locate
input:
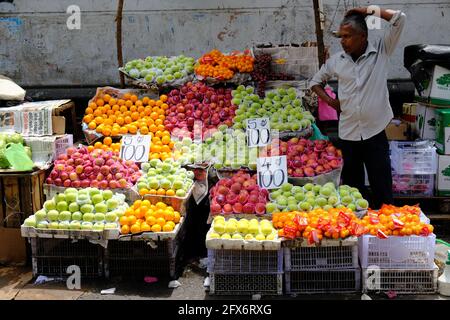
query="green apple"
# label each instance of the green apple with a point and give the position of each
(85, 208)
(112, 204)
(71, 197)
(110, 217)
(60, 197)
(214, 235)
(53, 215)
(61, 206)
(107, 194)
(86, 225)
(237, 236)
(75, 225)
(180, 193)
(30, 222)
(64, 216)
(54, 225)
(98, 226)
(101, 207)
(219, 227)
(226, 236)
(89, 217)
(49, 205)
(78, 216)
(110, 225)
(99, 216)
(42, 224)
(40, 215)
(64, 225)
(97, 198)
(73, 207)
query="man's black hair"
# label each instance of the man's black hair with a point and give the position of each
(357, 20)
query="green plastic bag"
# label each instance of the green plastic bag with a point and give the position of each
(17, 156)
(317, 135)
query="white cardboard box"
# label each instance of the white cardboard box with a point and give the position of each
(436, 91)
(425, 126)
(443, 181)
(44, 150)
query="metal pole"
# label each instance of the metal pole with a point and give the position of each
(319, 33)
(119, 40)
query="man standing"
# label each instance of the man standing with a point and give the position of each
(363, 100)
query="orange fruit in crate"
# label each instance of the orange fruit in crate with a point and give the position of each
(132, 220)
(177, 217)
(125, 229)
(135, 228)
(145, 227)
(169, 216)
(123, 221)
(161, 221)
(167, 228)
(156, 228)
(151, 220)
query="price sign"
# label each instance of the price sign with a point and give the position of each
(135, 148)
(272, 172)
(258, 132)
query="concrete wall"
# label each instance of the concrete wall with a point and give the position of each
(37, 49)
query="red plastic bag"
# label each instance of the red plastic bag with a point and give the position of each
(327, 113)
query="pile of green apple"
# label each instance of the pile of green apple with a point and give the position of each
(281, 106)
(242, 229)
(160, 69)
(313, 196)
(224, 148)
(86, 209)
(166, 175)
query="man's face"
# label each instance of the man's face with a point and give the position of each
(352, 41)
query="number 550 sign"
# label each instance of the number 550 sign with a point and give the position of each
(272, 172)
(135, 148)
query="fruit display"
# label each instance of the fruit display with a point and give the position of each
(127, 114)
(87, 209)
(79, 168)
(160, 148)
(242, 229)
(6, 139)
(160, 69)
(396, 221)
(217, 65)
(262, 72)
(165, 178)
(238, 194)
(281, 106)
(318, 224)
(143, 216)
(198, 104)
(306, 158)
(313, 196)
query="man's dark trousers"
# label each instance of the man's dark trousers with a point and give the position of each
(374, 154)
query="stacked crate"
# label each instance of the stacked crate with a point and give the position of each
(401, 264)
(245, 272)
(331, 267)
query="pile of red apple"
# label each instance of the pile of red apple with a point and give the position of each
(238, 194)
(101, 169)
(306, 158)
(198, 103)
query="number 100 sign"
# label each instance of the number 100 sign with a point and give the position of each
(272, 172)
(258, 132)
(135, 148)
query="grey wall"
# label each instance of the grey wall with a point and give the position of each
(37, 49)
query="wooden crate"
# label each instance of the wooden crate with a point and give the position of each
(21, 195)
(68, 111)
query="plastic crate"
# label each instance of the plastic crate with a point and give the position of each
(413, 184)
(246, 284)
(52, 257)
(245, 261)
(321, 257)
(414, 157)
(403, 281)
(323, 281)
(411, 252)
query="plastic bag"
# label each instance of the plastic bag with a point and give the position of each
(17, 156)
(317, 135)
(327, 113)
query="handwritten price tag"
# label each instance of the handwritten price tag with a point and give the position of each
(135, 148)
(272, 172)
(258, 132)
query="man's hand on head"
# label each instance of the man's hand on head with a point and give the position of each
(361, 10)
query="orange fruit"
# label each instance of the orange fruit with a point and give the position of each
(143, 191)
(152, 191)
(145, 227)
(170, 193)
(123, 130)
(92, 105)
(161, 192)
(92, 125)
(161, 221)
(151, 220)
(156, 228)
(132, 129)
(132, 220)
(135, 228)
(177, 217)
(123, 220)
(169, 216)
(163, 98)
(100, 102)
(134, 98)
(107, 141)
(125, 229)
(167, 228)
(144, 130)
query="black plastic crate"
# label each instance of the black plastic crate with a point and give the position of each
(246, 284)
(52, 257)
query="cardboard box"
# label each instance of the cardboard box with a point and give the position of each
(42, 118)
(425, 126)
(436, 88)
(397, 130)
(44, 150)
(443, 181)
(12, 247)
(443, 131)
(409, 112)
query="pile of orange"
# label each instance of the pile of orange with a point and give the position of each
(160, 148)
(143, 216)
(218, 65)
(396, 221)
(111, 116)
(318, 224)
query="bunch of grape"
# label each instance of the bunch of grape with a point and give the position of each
(262, 73)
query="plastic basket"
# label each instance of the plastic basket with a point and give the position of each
(333, 176)
(323, 281)
(412, 184)
(413, 157)
(52, 257)
(411, 252)
(321, 257)
(246, 284)
(245, 262)
(403, 281)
